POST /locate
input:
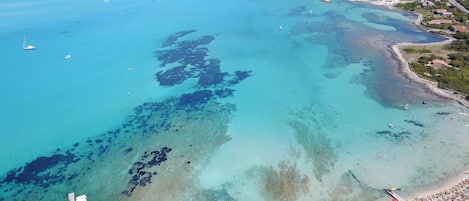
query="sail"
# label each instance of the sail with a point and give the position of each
(24, 42)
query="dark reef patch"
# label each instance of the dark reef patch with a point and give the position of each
(143, 170)
(415, 123)
(173, 76)
(223, 93)
(43, 171)
(443, 113)
(170, 40)
(195, 98)
(128, 150)
(190, 60)
(188, 52)
(395, 136)
(239, 76)
(211, 74)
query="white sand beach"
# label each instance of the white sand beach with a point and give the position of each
(455, 188)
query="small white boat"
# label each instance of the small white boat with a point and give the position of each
(71, 197)
(68, 56)
(82, 198)
(391, 126)
(26, 46)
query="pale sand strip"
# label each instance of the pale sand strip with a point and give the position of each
(456, 188)
(386, 3)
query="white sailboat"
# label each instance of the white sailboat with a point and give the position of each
(26, 46)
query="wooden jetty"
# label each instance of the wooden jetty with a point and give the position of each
(394, 195)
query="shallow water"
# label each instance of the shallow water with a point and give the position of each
(216, 102)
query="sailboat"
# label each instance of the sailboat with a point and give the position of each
(26, 46)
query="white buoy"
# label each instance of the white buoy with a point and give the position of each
(280, 27)
(310, 12)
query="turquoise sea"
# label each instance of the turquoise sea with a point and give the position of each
(217, 100)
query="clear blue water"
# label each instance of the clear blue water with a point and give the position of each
(178, 100)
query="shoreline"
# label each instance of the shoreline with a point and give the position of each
(458, 182)
(446, 189)
(384, 3)
(432, 86)
(404, 67)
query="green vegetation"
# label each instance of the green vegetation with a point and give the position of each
(440, 4)
(465, 3)
(459, 60)
(408, 6)
(458, 15)
(456, 78)
(459, 45)
(461, 35)
(426, 59)
(439, 26)
(418, 51)
(419, 68)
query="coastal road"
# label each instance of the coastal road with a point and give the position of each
(459, 6)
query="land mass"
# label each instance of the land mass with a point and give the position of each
(443, 67)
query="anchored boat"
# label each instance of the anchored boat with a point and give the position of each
(26, 46)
